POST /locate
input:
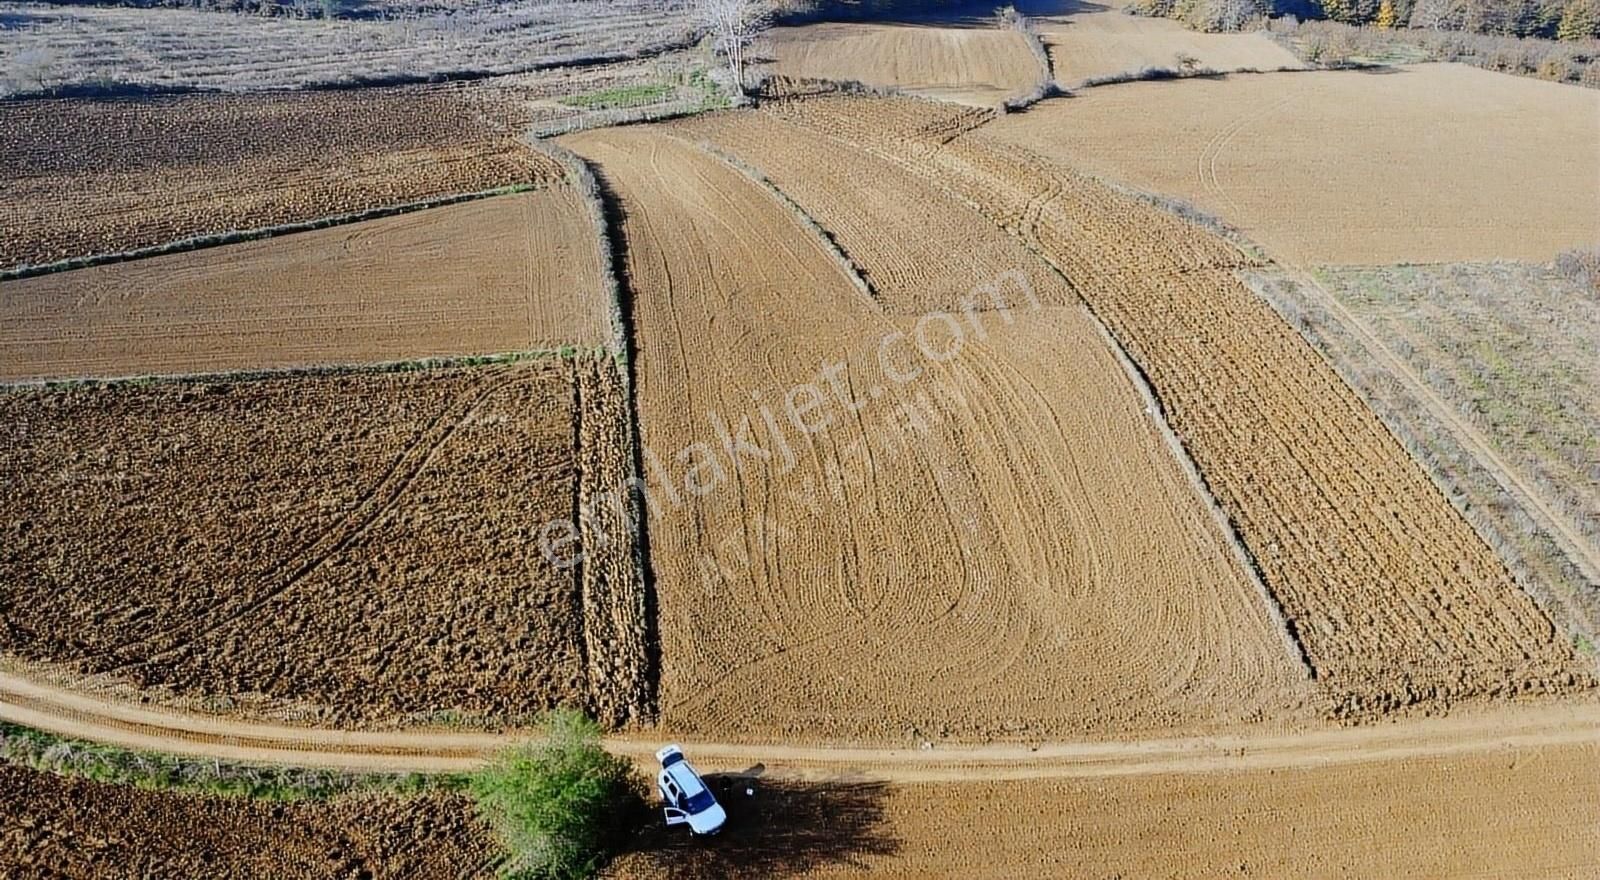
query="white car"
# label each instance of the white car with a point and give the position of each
(689, 799)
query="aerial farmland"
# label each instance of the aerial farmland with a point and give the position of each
(1053, 440)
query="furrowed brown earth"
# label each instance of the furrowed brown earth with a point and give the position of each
(1416, 817)
(1392, 595)
(977, 65)
(54, 827)
(511, 273)
(348, 549)
(1096, 42)
(942, 558)
(1429, 163)
(81, 177)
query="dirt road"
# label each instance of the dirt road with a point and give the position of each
(1526, 726)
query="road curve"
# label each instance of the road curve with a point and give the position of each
(38, 705)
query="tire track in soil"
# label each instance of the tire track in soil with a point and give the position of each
(372, 507)
(1393, 596)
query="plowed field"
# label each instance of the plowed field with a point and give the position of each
(1517, 812)
(1101, 42)
(353, 548)
(1002, 546)
(977, 65)
(53, 827)
(1390, 592)
(80, 177)
(504, 274)
(1431, 163)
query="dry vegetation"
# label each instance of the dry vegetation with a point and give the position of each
(900, 578)
(341, 548)
(81, 177)
(1511, 348)
(55, 47)
(1335, 44)
(52, 826)
(513, 273)
(1094, 43)
(1419, 164)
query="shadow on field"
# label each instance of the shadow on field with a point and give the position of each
(783, 829)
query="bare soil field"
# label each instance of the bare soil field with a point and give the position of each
(346, 549)
(54, 827)
(975, 65)
(1095, 42)
(1417, 817)
(59, 45)
(81, 177)
(1393, 597)
(935, 561)
(1431, 163)
(510, 273)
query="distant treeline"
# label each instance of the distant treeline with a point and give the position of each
(1549, 19)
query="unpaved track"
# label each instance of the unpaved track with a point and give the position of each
(27, 702)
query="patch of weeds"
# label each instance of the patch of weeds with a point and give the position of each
(156, 771)
(620, 97)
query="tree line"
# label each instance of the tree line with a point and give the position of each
(1548, 19)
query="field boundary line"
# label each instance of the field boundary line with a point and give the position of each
(1247, 560)
(606, 212)
(829, 243)
(32, 704)
(260, 233)
(466, 361)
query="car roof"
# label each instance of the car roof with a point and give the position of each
(687, 779)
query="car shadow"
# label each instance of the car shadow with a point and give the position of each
(775, 829)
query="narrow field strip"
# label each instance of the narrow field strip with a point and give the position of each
(512, 273)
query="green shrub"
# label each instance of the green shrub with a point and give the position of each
(561, 805)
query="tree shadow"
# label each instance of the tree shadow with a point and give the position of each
(775, 829)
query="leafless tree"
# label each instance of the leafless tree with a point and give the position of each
(1438, 15)
(734, 26)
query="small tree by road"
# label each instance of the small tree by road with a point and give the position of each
(561, 805)
(734, 26)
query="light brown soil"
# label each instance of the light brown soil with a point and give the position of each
(1437, 162)
(1392, 595)
(1519, 812)
(939, 562)
(975, 65)
(511, 273)
(342, 548)
(80, 177)
(1099, 42)
(55, 827)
